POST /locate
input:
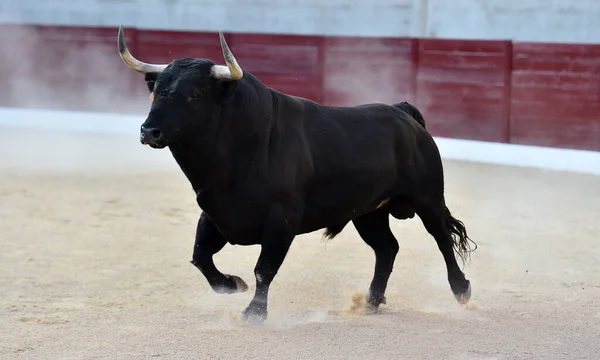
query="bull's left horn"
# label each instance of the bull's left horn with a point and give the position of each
(232, 71)
(134, 63)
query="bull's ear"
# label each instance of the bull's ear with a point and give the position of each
(150, 80)
(226, 88)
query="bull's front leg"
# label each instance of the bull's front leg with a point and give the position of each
(278, 233)
(209, 241)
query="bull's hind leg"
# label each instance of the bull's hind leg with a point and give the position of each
(209, 241)
(374, 229)
(450, 235)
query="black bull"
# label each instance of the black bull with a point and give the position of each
(266, 166)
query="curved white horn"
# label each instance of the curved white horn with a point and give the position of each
(134, 63)
(232, 71)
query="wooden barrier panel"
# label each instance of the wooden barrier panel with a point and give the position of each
(527, 93)
(555, 98)
(287, 63)
(463, 88)
(67, 67)
(162, 47)
(16, 73)
(362, 70)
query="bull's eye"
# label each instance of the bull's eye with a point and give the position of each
(193, 96)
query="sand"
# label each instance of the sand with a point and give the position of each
(96, 234)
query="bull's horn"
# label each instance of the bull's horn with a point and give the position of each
(134, 63)
(232, 71)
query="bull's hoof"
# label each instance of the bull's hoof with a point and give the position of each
(254, 314)
(233, 285)
(463, 298)
(373, 303)
(371, 309)
(240, 285)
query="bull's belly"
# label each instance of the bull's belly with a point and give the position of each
(323, 213)
(312, 223)
(327, 202)
(337, 200)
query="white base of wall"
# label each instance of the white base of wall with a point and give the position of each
(579, 161)
(478, 151)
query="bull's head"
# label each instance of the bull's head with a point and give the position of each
(186, 94)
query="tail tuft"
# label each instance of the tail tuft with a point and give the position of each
(333, 231)
(461, 241)
(412, 111)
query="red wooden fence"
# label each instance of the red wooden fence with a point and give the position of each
(528, 93)
(556, 95)
(463, 88)
(362, 70)
(289, 63)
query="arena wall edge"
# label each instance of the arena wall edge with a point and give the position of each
(579, 161)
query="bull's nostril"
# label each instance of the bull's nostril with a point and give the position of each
(156, 134)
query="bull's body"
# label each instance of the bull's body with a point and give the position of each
(266, 166)
(329, 164)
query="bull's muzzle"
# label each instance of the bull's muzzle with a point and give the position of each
(153, 137)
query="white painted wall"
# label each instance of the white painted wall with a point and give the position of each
(368, 17)
(533, 20)
(538, 20)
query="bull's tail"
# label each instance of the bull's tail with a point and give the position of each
(460, 240)
(412, 111)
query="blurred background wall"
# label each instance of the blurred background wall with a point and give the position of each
(512, 71)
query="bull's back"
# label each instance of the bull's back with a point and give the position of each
(371, 137)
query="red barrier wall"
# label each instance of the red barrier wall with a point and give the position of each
(527, 93)
(64, 67)
(556, 95)
(463, 87)
(288, 63)
(358, 70)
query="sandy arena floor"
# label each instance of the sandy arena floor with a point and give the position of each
(96, 234)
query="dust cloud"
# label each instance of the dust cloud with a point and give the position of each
(371, 71)
(59, 68)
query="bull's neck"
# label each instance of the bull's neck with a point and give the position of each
(220, 169)
(231, 149)
(192, 164)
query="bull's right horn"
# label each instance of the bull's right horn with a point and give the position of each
(134, 63)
